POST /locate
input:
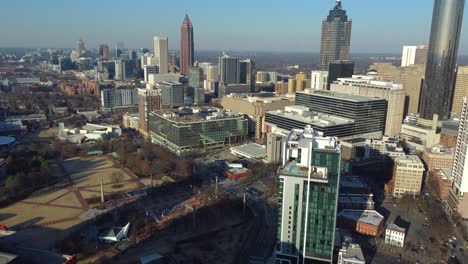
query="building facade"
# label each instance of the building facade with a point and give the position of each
(407, 177)
(414, 55)
(229, 70)
(308, 196)
(374, 86)
(189, 130)
(148, 100)
(186, 45)
(319, 80)
(336, 37)
(437, 93)
(461, 90)
(395, 235)
(172, 94)
(161, 53)
(438, 157)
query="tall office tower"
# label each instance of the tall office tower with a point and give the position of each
(414, 55)
(104, 52)
(212, 73)
(173, 58)
(461, 90)
(80, 48)
(375, 86)
(274, 148)
(149, 69)
(195, 77)
(458, 196)
(172, 94)
(308, 195)
(161, 52)
(148, 100)
(336, 37)
(319, 80)
(186, 45)
(442, 57)
(411, 77)
(229, 70)
(120, 70)
(339, 69)
(247, 73)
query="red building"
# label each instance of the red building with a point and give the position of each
(236, 173)
(365, 222)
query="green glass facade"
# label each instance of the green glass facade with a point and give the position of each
(200, 135)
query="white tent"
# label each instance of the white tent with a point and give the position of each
(114, 234)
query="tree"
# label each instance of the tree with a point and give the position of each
(116, 178)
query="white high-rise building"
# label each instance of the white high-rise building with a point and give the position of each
(161, 52)
(458, 196)
(319, 80)
(414, 55)
(120, 74)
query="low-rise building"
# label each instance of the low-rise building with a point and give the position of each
(250, 151)
(365, 222)
(395, 235)
(355, 201)
(274, 148)
(188, 130)
(442, 182)
(131, 120)
(89, 132)
(407, 176)
(351, 254)
(255, 106)
(419, 135)
(449, 133)
(379, 148)
(438, 157)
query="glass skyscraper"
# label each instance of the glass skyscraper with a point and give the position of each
(308, 194)
(336, 37)
(442, 56)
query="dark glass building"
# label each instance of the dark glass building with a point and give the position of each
(369, 114)
(437, 94)
(339, 69)
(336, 37)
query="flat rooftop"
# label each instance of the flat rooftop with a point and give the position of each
(195, 114)
(251, 150)
(345, 97)
(315, 119)
(370, 217)
(394, 227)
(352, 182)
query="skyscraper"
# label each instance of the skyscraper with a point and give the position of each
(80, 48)
(308, 195)
(104, 52)
(336, 37)
(229, 70)
(161, 52)
(461, 90)
(186, 45)
(458, 199)
(437, 92)
(247, 73)
(414, 55)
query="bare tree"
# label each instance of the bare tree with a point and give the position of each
(116, 178)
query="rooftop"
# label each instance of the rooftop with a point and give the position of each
(349, 181)
(408, 159)
(6, 140)
(445, 174)
(195, 114)
(344, 97)
(352, 253)
(394, 227)
(370, 217)
(369, 81)
(440, 150)
(251, 150)
(316, 119)
(356, 198)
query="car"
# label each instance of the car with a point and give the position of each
(254, 191)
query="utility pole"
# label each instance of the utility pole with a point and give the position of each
(216, 188)
(102, 192)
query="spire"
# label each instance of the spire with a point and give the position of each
(187, 20)
(338, 5)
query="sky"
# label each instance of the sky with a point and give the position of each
(379, 26)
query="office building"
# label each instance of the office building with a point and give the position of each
(442, 181)
(199, 96)
(407, 177)
(336, 37)
(265, 77)
(458, 196)
(381, 148)
(172, 94)
(274, 148)
(449, 133)
(195, 77)
(414, 55)
(438, 157)
(461, 90)
(229, 70)
(308, 197)
(319, 80)
(299, 83)
(131, 120)
(395, 235)
(120, 74)
(339, 69)
(418, 134)
(368, 114)
(118, 99)
(172, 59)
(189, 130)
(374, 86)
(161, 53)
(80, 48)
(186, 45)
(150, 70)
(104, 52)
(255, 108)
(442, 58)
(247, 73)
(224, 90)
(148, 100)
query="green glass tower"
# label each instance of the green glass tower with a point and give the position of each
(308, 195)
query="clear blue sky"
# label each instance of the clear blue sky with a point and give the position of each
(249, 25)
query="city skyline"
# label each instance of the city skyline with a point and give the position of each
(300, 29)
